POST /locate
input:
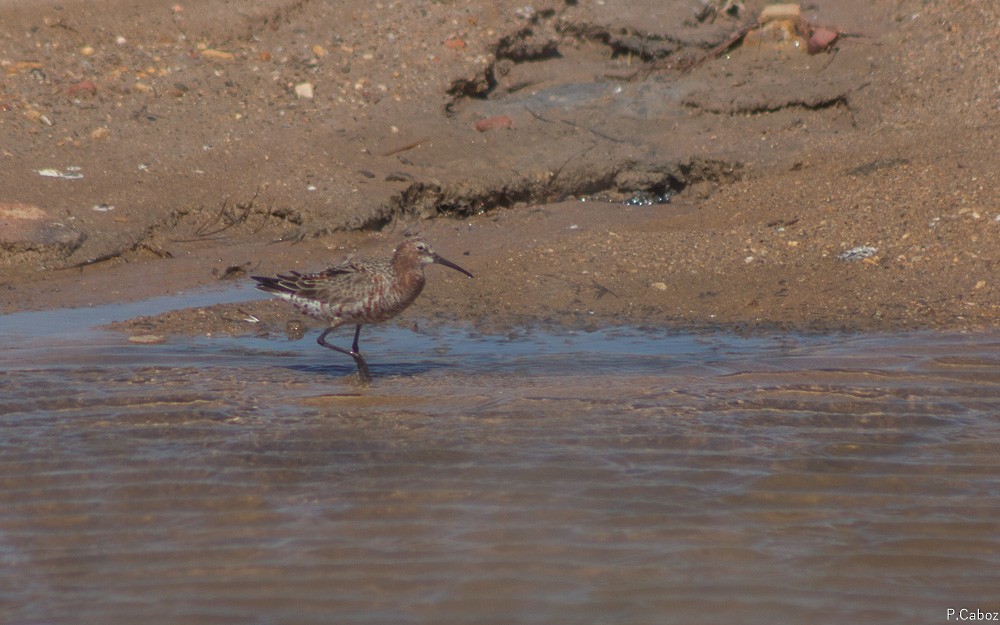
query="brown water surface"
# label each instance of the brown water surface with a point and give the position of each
(621, 476)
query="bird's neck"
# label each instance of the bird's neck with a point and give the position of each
(410, 278)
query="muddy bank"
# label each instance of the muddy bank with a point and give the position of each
(590, 166)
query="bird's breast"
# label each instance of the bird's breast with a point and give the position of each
(383, 298)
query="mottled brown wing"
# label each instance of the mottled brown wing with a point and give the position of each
(346, 284)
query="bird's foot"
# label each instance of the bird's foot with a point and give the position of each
(364, 376)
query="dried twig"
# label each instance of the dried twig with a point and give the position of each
(227, 218)
(730, 41)
(572, 124)
(404, 147)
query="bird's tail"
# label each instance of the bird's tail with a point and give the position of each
(274, 284)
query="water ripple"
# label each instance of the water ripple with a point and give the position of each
(621, 477)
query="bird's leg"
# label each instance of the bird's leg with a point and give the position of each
(357, 333)
(363, 373)
(362, 365)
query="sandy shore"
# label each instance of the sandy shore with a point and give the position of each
(591, 166)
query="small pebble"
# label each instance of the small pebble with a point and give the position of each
(497, 121)
(82, 87)
(222, 55)
(304, 90)
(821, 39)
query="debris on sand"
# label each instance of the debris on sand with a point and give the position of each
(784, 25)
(781, 25)
(858, 253)
(70, 173)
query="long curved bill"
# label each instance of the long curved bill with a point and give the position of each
(447, 263)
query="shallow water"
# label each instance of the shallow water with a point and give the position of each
(621, 476)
